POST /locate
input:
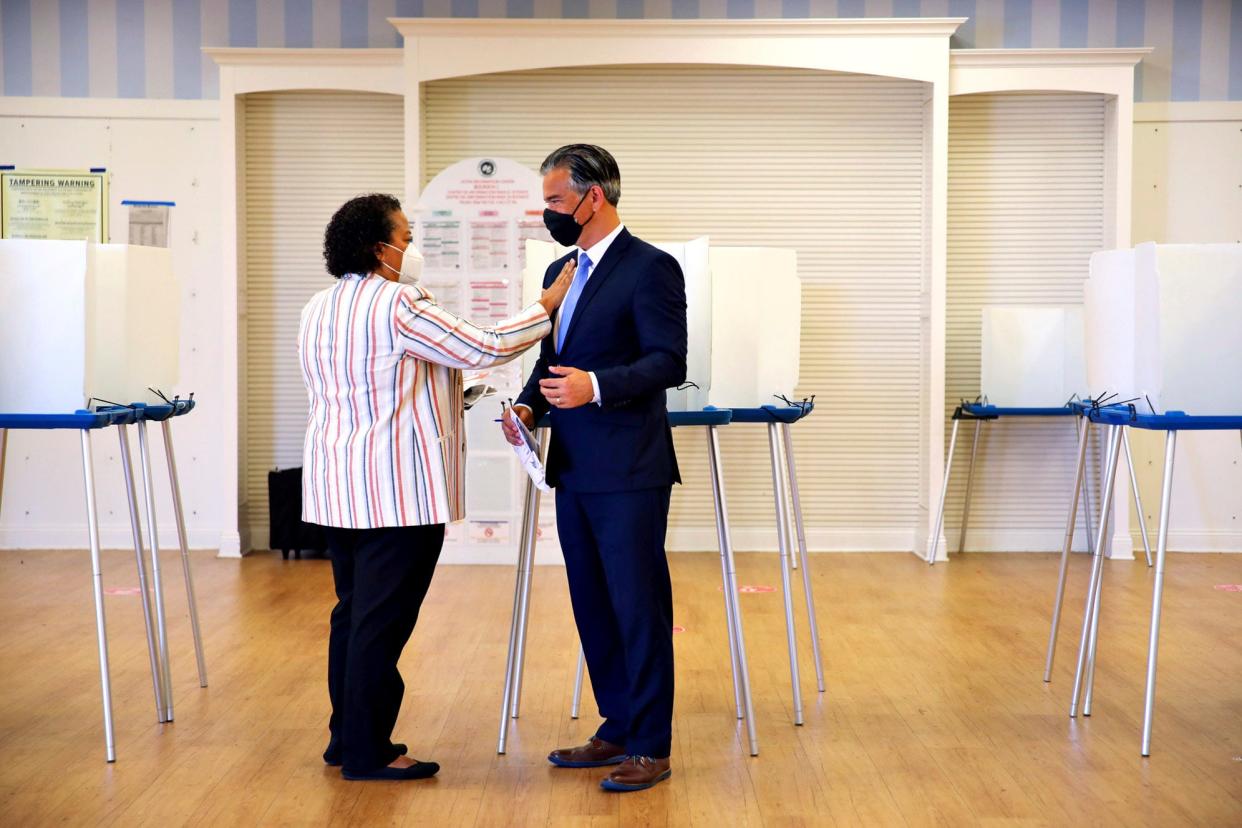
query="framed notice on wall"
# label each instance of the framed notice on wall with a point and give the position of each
(54, 204)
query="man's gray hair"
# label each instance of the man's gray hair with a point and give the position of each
(588, 166)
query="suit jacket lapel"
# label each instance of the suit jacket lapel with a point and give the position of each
(601, 272)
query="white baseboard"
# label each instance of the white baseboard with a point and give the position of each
(680, 539)
(545, 555)
(1202, 540)
(763, 539)
(230, 545)
(1034, 540)
(694, 539)
(74, 536)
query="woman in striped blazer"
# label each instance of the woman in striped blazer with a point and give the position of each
(384, 458)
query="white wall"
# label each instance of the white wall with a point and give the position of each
(165, 150)
(1187, 189)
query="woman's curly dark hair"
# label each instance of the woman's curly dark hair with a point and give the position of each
(355, 229)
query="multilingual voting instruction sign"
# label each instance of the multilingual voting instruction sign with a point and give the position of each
(471, 227)
(52, 204)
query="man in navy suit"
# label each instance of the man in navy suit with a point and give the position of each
(619, 340)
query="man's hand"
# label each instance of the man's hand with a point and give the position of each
(510, 428)
(572, 389)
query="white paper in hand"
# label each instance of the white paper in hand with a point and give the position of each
(527, 453)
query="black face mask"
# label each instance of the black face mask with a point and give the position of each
(564, 229)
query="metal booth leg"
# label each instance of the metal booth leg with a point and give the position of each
(1070, 524)
(782, 532)
(1095, 615)
(513, 625)
(733, 612)
(800, 526)
(521, 606)
(1088, 514)
(1162, 546)
(730, 599)
(179, 513)
(144, 452)
(732, 637)
(1138, 501)
(532, 532)
(934, 543)
(157, 667)
(970, 486)
(1090, 616)
(92, 525)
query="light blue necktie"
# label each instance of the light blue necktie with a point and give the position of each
(571, 298)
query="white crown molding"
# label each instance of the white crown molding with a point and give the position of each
(245, 71)
(799, 28)
(233, 56)
(1046, 58)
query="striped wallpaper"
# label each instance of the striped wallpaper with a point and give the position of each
(150, 48)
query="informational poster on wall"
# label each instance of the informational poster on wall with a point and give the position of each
(65, 205)
(149, 222)
(471, 227)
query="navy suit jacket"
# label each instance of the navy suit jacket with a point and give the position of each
(629, 327)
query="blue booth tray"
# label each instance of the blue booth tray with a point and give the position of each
(1128, 415)
(985, 411)
(79, 419)
(772, 413)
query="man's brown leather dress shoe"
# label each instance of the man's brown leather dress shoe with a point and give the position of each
(637, 773)
(594, 754)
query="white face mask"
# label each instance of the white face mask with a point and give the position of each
(411, 265)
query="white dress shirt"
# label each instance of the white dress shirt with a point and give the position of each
(595, 253)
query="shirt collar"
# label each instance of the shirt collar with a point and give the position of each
(596, 252)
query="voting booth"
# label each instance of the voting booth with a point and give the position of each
(1162, 333)
(1031, 365)
(1032, 357)
(1162, 323)
(81, 321)
(89, 334)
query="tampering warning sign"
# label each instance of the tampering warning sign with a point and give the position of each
(65, 205)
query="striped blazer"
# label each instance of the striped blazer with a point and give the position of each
(385, 436)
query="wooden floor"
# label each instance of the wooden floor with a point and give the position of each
(935, 711)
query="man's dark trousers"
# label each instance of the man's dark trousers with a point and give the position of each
(623, 603)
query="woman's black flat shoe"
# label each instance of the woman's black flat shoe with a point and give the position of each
(418, 770)
(333, 759)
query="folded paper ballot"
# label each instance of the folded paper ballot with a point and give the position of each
(527, 453)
